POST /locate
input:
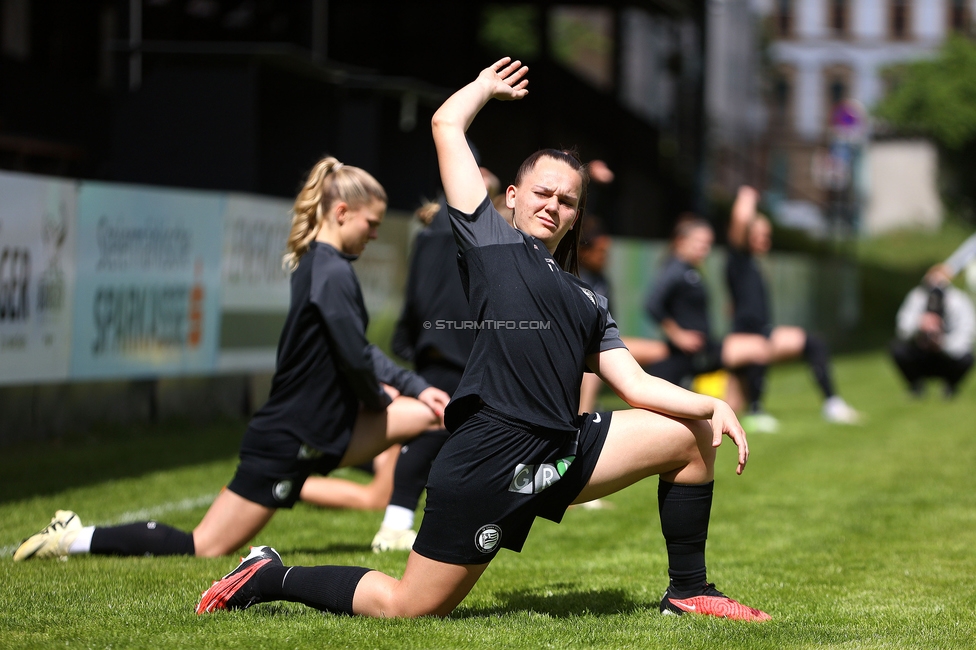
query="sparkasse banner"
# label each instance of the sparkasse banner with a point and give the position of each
(147, 292)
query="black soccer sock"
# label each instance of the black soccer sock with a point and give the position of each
(142, 538)
(413, 468)
(754, 376)
(684, 513)
(328, 588)
(817, 354)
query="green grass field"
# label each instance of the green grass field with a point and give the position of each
(850, 537)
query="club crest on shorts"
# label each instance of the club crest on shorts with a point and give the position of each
(487, 538)
(282, 489)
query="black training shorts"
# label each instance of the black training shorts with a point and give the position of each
(274, 467)
(495, 475)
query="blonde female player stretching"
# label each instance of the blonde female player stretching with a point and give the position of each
(328, 406)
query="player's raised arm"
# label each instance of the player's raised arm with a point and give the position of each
(743, 212)
(460, 176)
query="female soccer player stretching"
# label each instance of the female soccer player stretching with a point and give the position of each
(518, 449)
(328, 407)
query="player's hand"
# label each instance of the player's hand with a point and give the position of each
(390, 390)
(930, 323)
(724, 422)
(748, 193)
(435, 399)
(688, 341)
(505, 79)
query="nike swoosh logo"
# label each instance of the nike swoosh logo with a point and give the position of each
(597, 419)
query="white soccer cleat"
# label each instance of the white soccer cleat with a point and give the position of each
(837, 411)
(760, 422)
(393, 539)
(53, 540)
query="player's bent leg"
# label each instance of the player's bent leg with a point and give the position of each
(735, 395)
(646, 351)
(230, 523)
(428, 588)
(739, 349)
(327, 492)
(643, 443)
(787, 342)
(405, 418)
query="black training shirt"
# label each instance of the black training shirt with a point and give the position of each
(325, 366)
(535, 325)
(750, 303)
(680, 294)
(435, 307)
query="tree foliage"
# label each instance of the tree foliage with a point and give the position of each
(936, 97)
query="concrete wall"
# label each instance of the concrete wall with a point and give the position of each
(902, 187)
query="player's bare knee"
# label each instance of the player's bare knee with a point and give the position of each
(701, 444)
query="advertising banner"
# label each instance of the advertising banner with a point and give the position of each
(256, 289)
(147, 290)
(37, 234)
(255, 231)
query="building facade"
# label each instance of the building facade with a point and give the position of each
(821, 63)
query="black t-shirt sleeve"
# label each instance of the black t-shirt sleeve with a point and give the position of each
(483, 227)
(337, 299)
(407, 382)
(609, 334)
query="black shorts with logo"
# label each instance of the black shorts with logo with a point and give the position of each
(274, 467)
(495, 475)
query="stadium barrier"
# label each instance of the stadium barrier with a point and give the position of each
(123, 303)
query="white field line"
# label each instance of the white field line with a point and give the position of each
(143, 514)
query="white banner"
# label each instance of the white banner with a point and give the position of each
(255, 231)
(37, 243)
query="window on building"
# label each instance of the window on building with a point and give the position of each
(958, 15)
(784, 18)
(899, 17)
(839, 23)
(838, 91)
(837, 88)
(781, 99)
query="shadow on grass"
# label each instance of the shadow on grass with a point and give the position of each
(332, 549)
(48, 467)
(571, 602)
(562, 600)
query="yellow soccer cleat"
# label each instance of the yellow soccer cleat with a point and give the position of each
(53, 540)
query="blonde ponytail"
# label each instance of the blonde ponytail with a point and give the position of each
(328, 182)
(426, 213)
